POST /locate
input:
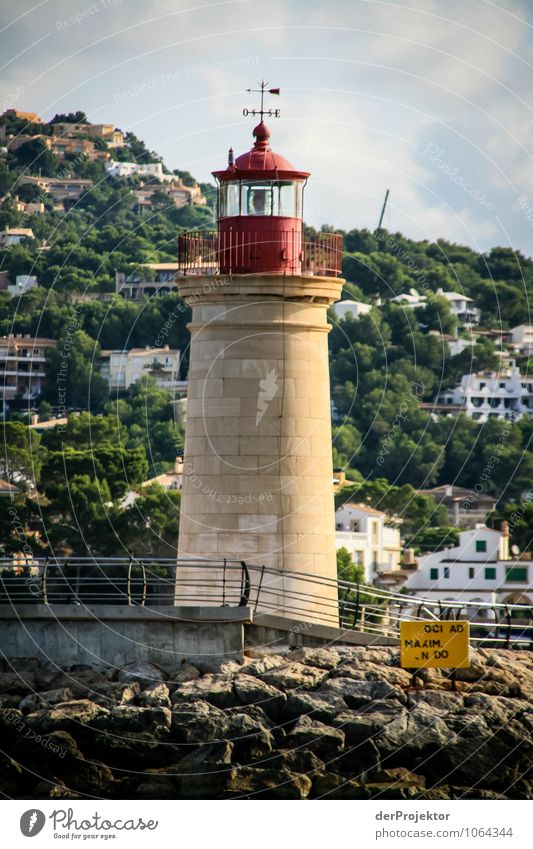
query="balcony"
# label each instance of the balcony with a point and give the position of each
(203, 253)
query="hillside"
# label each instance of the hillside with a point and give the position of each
(382, 364)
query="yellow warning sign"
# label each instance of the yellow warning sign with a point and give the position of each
(434, 645)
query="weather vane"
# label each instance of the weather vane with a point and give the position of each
(272, 113)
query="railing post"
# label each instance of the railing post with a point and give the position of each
(259, 587)
(45, 581)
(224, 584)
(245, 585)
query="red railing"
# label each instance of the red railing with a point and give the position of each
(238, 253)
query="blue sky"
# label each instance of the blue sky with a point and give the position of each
(429, 98)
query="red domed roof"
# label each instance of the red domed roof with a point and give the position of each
(261, 162)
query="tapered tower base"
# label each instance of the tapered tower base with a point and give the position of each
(258, 477)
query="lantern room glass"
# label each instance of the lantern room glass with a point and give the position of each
(282, 198)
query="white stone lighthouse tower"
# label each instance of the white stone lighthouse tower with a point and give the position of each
(258, 471)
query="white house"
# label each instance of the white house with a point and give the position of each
(143, 169)
(504, 394)
(462, 307)
(23, 284)
(521, 338)
(14, 236)
(372, 544)
(412, 299)
(354, 309)
(123, 368)
(478, 569)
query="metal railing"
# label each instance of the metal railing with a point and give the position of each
(296, 595)
(205, 253)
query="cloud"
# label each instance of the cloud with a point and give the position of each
(364, 87)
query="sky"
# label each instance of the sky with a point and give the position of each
(431, 99)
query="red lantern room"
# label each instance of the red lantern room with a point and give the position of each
(260, 211)
(260, 217)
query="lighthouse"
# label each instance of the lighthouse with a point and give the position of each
(258, 475)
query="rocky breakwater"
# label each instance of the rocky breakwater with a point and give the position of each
(310, 724)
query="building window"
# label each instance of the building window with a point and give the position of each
(375, 533)
(516, 573)
(446, 572)
(490, 573)
(481, 545)
(434, 574)
(471, 571)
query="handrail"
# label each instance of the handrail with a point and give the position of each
(205, 252)
(224, 581)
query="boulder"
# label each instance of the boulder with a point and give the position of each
(294, 676)
(214, 757)
(127, 719)
(319, 738)
(322, 658)
(215, 664)
(263, 662)
(186, 672)
(251, 691)
(358, 693)
(66, 716)
(111, 694)
(215, 689)
(36, 701)
(323, 707)
(157, 695)
(331, 785)
(11, 778)
(294, 760)
(143, 672)
(252, 783)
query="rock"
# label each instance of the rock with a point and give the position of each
(215, 689)
(36, 701)
(37, 673)
(66, 716)
(9, 701)
(252, 783)
(251, 691)
(143, 672)
(11, 778)
(186, 672)
(127, 719)
(215, 665)
(442, 702)
(263, 663)
(110, 695)
(358, 693)
(385, 726)
(367, 671)
(475, 672)
(294, 676)
(157, 695)
(83, 683)
(198, 722)
(319, 738)
(400, 777)
(322, 658)
(209, 758)
(297, 760)
(330, 785)
(152, 786)
(54, 789)
(17, 684)
(323, 707)
(497, 711)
